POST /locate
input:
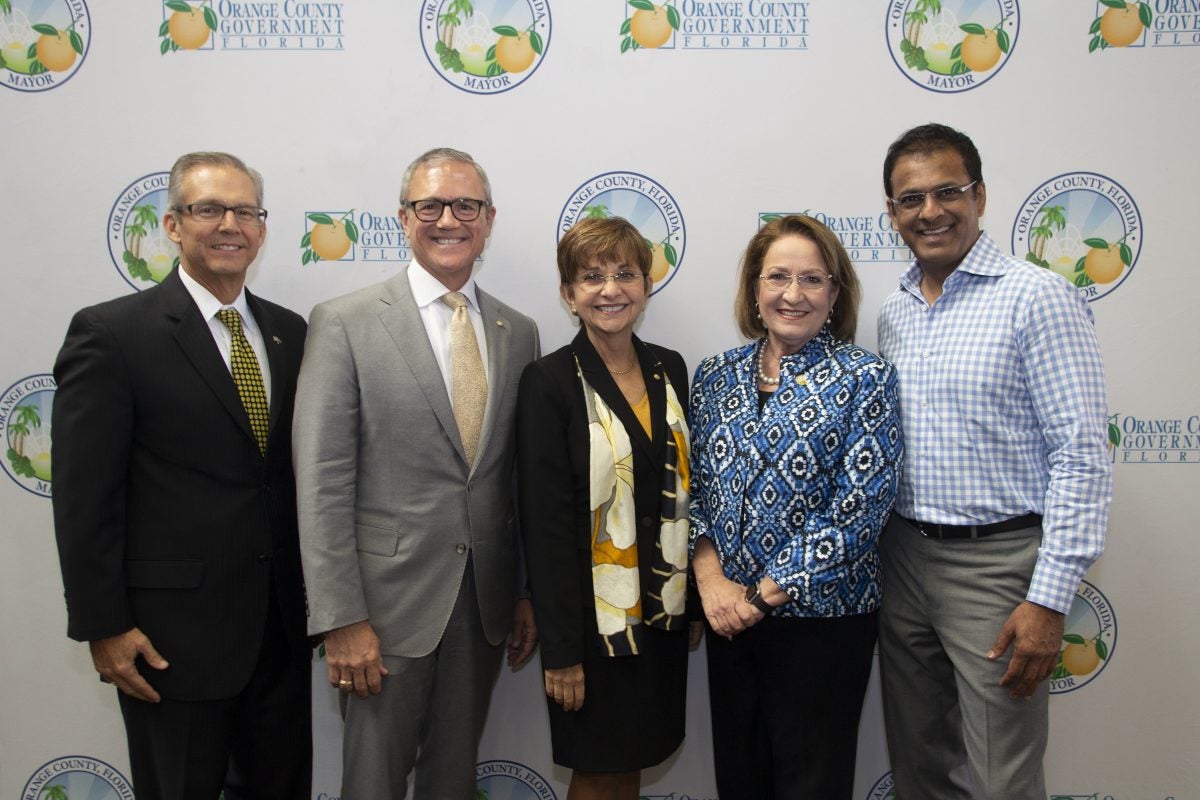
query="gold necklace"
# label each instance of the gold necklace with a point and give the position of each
(625, 371)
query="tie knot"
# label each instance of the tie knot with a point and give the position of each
(231, 319)
(455, 300)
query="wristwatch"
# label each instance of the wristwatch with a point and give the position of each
(754, 597)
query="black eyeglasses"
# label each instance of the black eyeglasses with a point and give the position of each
(430, 209)
(215, 212)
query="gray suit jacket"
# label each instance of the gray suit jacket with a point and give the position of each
(389, 509)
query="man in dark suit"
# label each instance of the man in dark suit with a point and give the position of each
(174, 506)
(405, 448)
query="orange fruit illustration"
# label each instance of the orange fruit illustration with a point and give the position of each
(650, 28)
(515, 53)
(980, 51)
(55, 52)
(1104, 265)
(1081, 659)
(187, 29)
(1121, 26)
(330, 242)
(659, 266)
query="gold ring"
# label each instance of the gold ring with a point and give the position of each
(345, 685)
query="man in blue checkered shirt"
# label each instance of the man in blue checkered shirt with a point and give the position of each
(1004, 495)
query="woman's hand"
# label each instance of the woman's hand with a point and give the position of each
(565, 685)
(723, 600)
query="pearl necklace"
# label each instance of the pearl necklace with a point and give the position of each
(762, 376)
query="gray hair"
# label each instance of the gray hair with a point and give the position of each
(440, 155)
(190, 161)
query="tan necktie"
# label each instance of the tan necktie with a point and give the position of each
(247, 376)
(470, 383)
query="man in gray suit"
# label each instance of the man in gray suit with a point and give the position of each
(407, 526)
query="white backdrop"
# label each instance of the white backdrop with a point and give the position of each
(747, 108)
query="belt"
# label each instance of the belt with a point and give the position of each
(934, 530)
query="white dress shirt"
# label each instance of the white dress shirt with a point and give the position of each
(209, 306)
(435, 315)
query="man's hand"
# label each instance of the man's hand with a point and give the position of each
(353, 659)
(524, 637)
(566, 686)
(1037, 632)
(115, 657)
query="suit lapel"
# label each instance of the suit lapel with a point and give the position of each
(196, 340)
(598, 376)
(402, 320)
(497, 333)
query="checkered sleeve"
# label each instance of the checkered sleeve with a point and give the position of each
(1065, 376)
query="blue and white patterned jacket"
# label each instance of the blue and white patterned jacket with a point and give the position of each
(801, 491)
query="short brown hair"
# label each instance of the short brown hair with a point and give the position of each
(603, 238)
(844, 319)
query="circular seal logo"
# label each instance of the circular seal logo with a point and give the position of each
(644, 202)
(508, 780)
(884, 788)
(486, 46)
(42, 42)
(25, 417)
(952, 45)
(1089, 639)
(139, 246)
(1083, 226)
(77, 777)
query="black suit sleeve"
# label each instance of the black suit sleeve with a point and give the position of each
(92, 421)
(550, 527)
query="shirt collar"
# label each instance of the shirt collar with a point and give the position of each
(984, 260)
(207, 303)
(427, 289)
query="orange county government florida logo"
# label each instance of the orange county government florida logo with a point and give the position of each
(1085, 227)
(42, 42)
(137, 243)
(704, 25)
(1119, 24)
(951, 46)
(868, 238)
(77, 778)
(1089, 639)
(485, 46)
(508, 780)
(645, 203)
(250, 25)
(25, 417)
(351, 235)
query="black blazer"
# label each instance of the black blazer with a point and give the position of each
(553, 467)
(167, 516)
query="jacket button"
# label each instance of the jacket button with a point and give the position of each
(264, 558)
(647, 522)
(460, 549)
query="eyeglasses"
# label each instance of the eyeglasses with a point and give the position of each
(215, 212)
(809, 282)
(948, 195)
(430, 209)
(594, 280)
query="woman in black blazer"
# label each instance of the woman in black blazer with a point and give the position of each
(602, 448)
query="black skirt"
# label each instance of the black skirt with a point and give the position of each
(633, 709)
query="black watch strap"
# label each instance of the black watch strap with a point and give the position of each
(754, 597)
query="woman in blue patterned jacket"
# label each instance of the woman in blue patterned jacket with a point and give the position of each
(796, 453)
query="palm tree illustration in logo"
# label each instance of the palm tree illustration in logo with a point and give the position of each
(143, 219)
(1051, 218)
(29, 446)
(53, 793)
(450, 20)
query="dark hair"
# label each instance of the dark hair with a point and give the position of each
(603, 238)
(930, 138)
(843, 320)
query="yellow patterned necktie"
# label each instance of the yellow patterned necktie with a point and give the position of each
(469, 381)
(247, 376)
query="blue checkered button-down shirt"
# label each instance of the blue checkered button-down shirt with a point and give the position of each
(1003, 410)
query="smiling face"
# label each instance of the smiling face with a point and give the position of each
(939, 234)
(793, 316)
(216, 254)
(447, 248)
(612, 309)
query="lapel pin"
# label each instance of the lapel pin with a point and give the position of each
(656, 377)
(277, 340)
(500, 322)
